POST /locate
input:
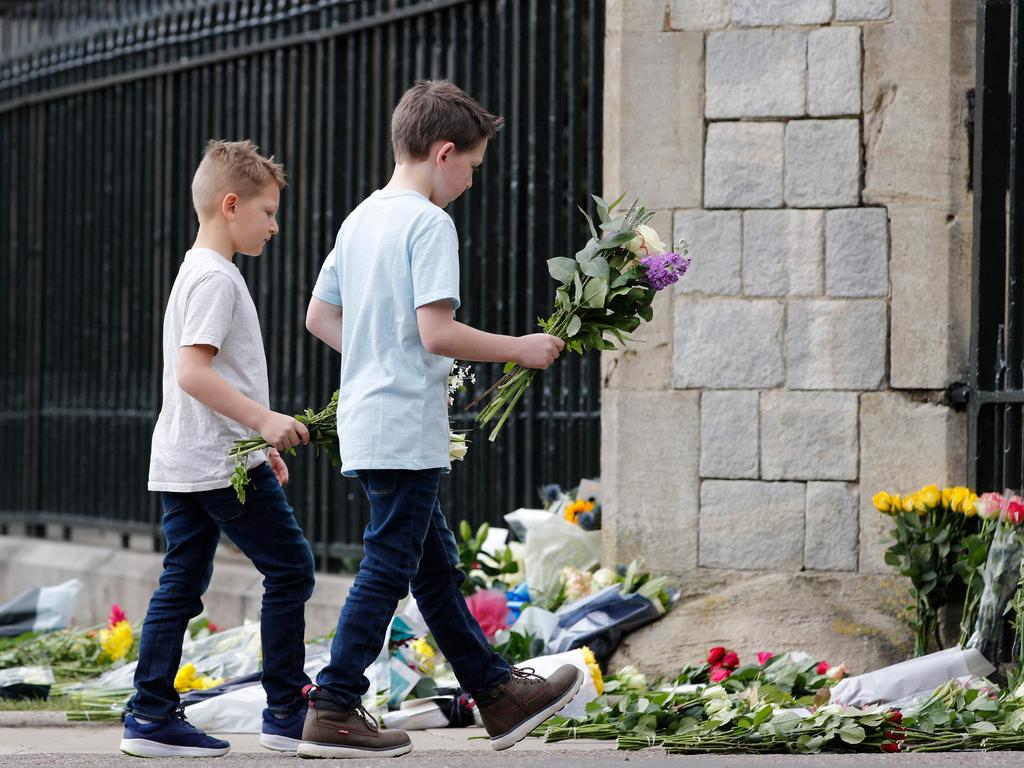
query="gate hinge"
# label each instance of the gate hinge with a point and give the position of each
(956, 396)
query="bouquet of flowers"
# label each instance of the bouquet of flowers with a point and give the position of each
(1001, 575)
(606, 291)
(930, 528)
(323, 432)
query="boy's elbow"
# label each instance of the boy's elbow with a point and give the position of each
(186, 380)
(433, 341)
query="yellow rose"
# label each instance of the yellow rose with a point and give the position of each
(646, 242)
(930, 496)
(908, 503)
(883, 502)
(969, 508)
(960, 495)
(947, 497)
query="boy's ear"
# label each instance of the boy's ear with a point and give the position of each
(228, 205)
(444, 152)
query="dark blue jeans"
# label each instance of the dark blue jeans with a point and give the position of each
(264, 528)
(407, 543)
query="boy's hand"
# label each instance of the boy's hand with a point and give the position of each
(538, 350)
(283, 432)
(278, 466)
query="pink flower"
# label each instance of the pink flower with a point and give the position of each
(212, 627)
(1014, 511)
(730, 660)
(715, 655)
(763, 656)
(116, 616)
(718, 674)
(490, 609)
(822, 668)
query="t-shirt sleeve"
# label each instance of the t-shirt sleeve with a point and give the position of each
(328, 282)
(209, 307)
(435, 265)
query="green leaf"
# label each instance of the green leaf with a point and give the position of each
(465, 531)
(574, 326)
(562, 269)
(595, 292)
(590, 222)
(577, 293)
(647, 314)
(615, 203)
(597, 267)
(587, 252)
(852, 733)
(602, 208)
(617, 240)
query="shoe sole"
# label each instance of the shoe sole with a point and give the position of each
(147, 748)
(315, 749)
(523, 730)
(279, 743)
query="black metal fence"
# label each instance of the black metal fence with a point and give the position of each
(995, 389)
(104, 110)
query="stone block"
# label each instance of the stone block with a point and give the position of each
(822, 163)
(832, 526)
(751, 525)
(930, 308)
(650, 506)
(858, 618)
(756, 73)
(715, 243)
(699, 14)
(809, 435)
(743, 165)
(728, 434)
(862, 10)
(857, 252)
(783, 252)
(834, 71)
(728, 344)
(906, 442)
(758, 13)
(636, 15)
(835, 344)
(656, 74)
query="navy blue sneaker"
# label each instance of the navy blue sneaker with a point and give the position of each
(174, 738)
(282, 734)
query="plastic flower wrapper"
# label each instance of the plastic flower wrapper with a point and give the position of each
(604, 294)
(999, 578)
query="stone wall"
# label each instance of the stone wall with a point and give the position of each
(812, 153)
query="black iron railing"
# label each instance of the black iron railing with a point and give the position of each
(104, 109)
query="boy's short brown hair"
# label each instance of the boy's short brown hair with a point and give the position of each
(232, 166)
(438, 110)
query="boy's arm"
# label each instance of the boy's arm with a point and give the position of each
(197, 377)
(323, 320)
(443, 335)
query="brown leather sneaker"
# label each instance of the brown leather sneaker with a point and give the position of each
(512, 710)
(330, 731)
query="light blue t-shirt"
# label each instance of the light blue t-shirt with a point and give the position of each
(395, 252)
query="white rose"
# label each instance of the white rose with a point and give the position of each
(646, 242)
(457, 447)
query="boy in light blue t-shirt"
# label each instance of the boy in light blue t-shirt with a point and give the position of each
(385, 299)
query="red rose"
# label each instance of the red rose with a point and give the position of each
(1015, 512)
(715, 655)
(718, 674)
(894, 716)
(730, 660)
(890, 747)
(763, 656)
(822, 668)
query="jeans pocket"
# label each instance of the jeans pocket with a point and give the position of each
(222, 504)
(379, 482)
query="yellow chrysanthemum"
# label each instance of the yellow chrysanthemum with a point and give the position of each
(117, 641)
(595, 670)
(187, 680)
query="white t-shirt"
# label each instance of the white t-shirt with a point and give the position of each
(395, 252)
(209, 304)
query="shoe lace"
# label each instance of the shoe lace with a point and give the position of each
(368, 720)
(527, 674)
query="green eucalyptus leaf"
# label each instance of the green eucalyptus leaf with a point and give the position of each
(595, 292)
(597, 267)
(562, 269)
(574, 326)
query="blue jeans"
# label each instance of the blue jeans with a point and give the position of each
(407, 543)
(264, 528)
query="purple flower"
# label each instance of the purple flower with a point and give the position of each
(663, 269)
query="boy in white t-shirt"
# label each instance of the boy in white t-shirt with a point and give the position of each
(385, 299)
(215, 391)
